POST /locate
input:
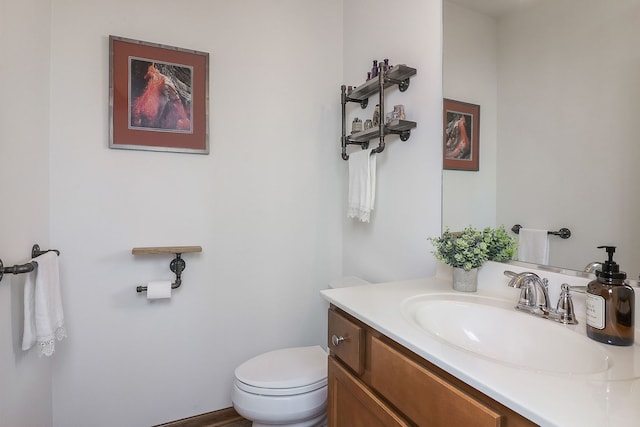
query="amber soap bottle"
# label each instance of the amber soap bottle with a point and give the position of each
(610, 305)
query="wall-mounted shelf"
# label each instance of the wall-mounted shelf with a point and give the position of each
(166, 250)
(398, 75)
(396, 127)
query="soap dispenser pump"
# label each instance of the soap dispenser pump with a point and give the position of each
(610, 304)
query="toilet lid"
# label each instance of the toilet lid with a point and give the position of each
(285, 368)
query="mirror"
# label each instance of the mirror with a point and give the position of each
(558, 84)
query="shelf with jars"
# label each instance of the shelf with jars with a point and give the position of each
(399, 76)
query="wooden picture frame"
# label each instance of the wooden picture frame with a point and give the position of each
(461, 130)
(158, 97)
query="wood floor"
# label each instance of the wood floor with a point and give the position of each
(222, 418)
(244, 423)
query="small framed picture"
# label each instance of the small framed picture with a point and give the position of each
(158, 97)
(461, 145)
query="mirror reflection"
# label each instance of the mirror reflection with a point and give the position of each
(558, 84)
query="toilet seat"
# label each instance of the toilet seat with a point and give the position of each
(280, 391)
(284, 372)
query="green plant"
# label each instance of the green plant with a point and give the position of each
(466, 249)
(502, 247)
(471, 248)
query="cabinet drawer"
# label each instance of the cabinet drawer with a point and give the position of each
(346, 341)
(422, 395)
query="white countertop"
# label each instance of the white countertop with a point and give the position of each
(610, 398)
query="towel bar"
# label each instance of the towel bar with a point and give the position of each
(28, 267)
(563, 233)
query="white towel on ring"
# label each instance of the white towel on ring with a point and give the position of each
(43, 315)
(533, 246)
(362, 184)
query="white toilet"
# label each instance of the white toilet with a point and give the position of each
(286, 387)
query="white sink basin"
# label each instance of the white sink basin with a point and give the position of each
(491, 328)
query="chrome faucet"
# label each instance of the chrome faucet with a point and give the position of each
(534, 297)
(534, 294)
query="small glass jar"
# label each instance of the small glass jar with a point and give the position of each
(376, 116)
(356, 125)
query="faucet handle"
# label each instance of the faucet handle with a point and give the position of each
(564, 309)
(515, 279)
(532, 298)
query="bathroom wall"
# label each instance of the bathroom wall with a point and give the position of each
(394, 244)
(267, 204)
(25, 394)
(264, 205)
(470, 75)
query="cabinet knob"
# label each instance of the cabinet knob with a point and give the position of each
(335, 340)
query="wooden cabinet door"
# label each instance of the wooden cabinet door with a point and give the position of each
(352, 404)
(422, 395)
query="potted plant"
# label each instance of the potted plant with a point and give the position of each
(467, 250)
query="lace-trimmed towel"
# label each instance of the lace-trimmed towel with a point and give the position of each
(362, 185)
(43, 315)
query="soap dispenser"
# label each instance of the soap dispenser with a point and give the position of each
(610, 304)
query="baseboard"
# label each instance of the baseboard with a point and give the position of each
(221, 418)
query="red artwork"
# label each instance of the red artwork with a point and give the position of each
(159, 105)
(461, 147)
(159, 97)
(458, 145)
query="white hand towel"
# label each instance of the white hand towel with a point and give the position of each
(362, 185)
(533, 246)
(43, 315)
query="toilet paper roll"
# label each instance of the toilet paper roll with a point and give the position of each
(159, 289)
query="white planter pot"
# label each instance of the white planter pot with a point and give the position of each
(465, 281)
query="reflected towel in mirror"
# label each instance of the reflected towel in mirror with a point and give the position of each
(533, 246)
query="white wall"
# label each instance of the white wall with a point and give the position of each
(568, 149)
(394, 244)
(267, 205)
(25, 393)
(264, 205)
(470, 75)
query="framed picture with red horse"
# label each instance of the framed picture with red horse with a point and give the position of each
(461, 145)
(158, 96)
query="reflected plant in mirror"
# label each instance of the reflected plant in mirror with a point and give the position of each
(502, 247)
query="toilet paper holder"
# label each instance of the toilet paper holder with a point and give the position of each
(177, 265)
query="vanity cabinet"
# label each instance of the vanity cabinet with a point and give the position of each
(374, 381)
